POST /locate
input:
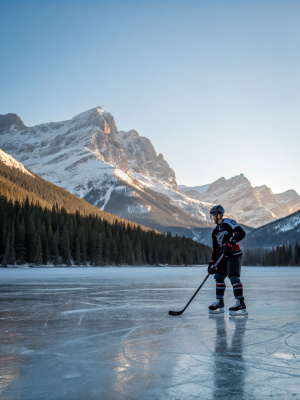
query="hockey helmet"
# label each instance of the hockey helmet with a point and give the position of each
(215, 211)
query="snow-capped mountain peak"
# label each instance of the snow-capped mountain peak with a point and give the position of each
(97, 117)
(119, 172)
(252, 206)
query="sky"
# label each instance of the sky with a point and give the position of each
(215, 85)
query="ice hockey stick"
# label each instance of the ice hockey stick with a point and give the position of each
(175, 313)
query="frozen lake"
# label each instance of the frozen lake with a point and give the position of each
(105, 333)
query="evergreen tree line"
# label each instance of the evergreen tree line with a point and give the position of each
(30, 233)
(286, 255)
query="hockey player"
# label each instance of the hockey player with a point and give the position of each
(226, 235)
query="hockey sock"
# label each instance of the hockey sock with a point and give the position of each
(220, 290)
(238, 291)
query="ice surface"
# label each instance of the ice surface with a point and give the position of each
(105, 333)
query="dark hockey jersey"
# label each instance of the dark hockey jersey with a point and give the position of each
(223, 233)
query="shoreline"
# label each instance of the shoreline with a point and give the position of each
(30, 266)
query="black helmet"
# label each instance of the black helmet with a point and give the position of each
(216, 210)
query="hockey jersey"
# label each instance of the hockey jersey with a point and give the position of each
(223, 233)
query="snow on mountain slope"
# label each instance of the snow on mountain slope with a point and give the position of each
(118, 171)
(292, 222)
(253, 206)
(12, 163)
(283, 231)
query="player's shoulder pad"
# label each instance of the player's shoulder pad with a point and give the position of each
(231, 222)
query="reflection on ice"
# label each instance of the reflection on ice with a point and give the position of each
(229, 366)
(106, 334)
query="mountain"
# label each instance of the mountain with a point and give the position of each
(119, 172)
(277, 233)
(10, 122)
(290, 199)
(17, 183)
(42, 224)
(253, 206)
(193, 192)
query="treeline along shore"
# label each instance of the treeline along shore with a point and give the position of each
(31, 233)
(285, 255)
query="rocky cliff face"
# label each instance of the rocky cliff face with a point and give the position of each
(117, 171)
(289, 199)
(10, 121)
(253, 206)
(89, 135)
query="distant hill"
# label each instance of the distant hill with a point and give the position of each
(277, 233)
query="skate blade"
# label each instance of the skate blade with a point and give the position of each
(217, 311)
(238, 313)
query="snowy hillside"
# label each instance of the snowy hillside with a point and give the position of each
(283, 231)
(12, 163)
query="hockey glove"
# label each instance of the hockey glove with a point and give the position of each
(211, 268)
(228, 247)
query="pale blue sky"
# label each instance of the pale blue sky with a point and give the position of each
(215, 85)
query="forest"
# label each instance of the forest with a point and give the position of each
(39, 235)
(285, 255)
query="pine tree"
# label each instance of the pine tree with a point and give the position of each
(20, 243)
(83, 248)
(54, 250)
(99, 258)
(38, 258)
(77, 253)
(138, 255)
(65, 247)
(12, 258)
(6, 256)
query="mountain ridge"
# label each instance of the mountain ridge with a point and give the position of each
(90, 158)
(253, 206)
(122, 173)
(284, 231)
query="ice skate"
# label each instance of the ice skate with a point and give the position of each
(217, 307)
(238, 309)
